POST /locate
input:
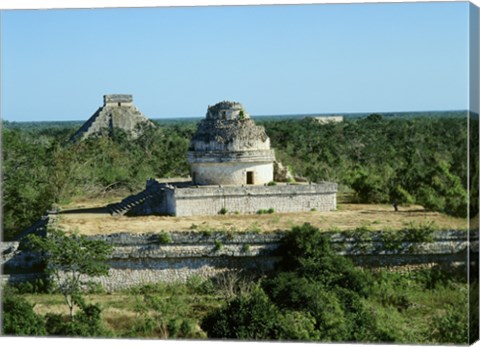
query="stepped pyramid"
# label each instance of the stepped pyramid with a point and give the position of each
(117, 111)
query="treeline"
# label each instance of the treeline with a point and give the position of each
(383, 160)
(408, 161)
(40, 167)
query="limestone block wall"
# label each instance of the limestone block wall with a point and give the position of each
(147, 258)
(142, 259)
(251, 199)
(231, 173)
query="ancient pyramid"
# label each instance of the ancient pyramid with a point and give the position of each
(117, 112)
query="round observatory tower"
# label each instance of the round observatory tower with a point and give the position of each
(229, 149)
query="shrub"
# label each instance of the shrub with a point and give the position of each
(272, 183)
(297, 325)
(87, 322)
(247, 317)
(263, 211)
(40, 285)
(173, 327)
(218, 245)
(452, 327)
(198, 285)
(223, 210)
(19, 318)
(292, 292)
(164, 238)
(307, 251)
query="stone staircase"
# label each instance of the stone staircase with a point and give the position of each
(39, 228)
(129, 203)
(85, 127)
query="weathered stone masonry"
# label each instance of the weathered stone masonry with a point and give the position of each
(140, 259)
(210, 200)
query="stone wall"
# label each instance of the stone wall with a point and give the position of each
(251, 199)
(328, 119)
(231, 173)
(183, 199)
(147, 258)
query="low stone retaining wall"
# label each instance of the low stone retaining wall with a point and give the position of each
(176, 256)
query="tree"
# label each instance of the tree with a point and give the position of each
(69, 260)
(249, 316)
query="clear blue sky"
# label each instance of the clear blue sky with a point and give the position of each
(58, 64)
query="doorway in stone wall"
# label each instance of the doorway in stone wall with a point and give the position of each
(250, 177)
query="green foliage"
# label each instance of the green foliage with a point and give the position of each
(39, 285)
(241, 115)
(70, 257)
(415, 160)
(272, 183)
(218, 245)
(314, 295)
(162, 311)
(39, 169)
(419, 233)
(263, 211)
(223, 210)
(18, 317)
(164, 238)
(27, 183)
(198, 285)
(87, 322)
(296, 325)
(248, 317)
(307, 251)
(452, 325)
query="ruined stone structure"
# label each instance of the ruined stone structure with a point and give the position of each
(232, 165)
(328, 119)
(145, 258)
(184, 199)
(117, 112)
(229, 149)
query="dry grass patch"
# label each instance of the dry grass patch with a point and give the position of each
(346, 217)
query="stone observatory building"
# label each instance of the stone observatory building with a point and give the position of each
(117, 112)
(229, 149)
(231, 168)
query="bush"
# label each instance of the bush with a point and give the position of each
(223, 210)
(307, 251)
(292, 292)
(40, 285)
(19, 318)
(247, 317)
(164, 238)
(296, 325)
(452, 326)
(87, 322)
(198, 285)
(218, 245)
(263, 211)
